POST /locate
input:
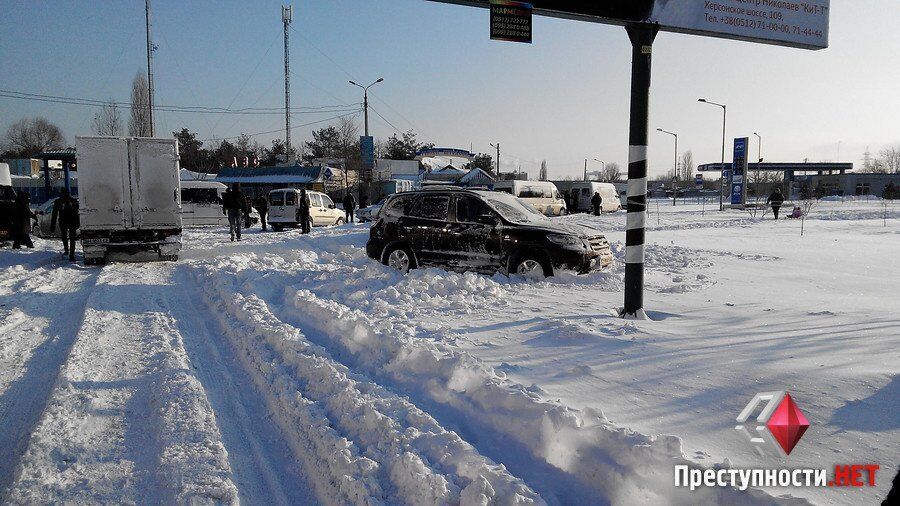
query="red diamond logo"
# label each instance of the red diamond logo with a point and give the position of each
(787, 424)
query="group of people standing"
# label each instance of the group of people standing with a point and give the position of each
(237, 208)
(65, 214)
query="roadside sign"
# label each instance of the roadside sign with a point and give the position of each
(698, 180)
(367, 151)
(785, 23)
(511, 21)
(738, 183)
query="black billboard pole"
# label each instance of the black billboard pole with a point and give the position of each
(642, 36)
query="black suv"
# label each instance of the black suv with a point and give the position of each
(483, 231)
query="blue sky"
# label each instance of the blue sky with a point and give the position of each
(563, 98)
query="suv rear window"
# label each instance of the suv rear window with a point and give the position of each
(276, 199)
(434, 207)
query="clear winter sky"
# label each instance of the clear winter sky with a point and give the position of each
(563, 98)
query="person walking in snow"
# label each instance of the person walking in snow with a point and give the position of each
(776, 199)
(262, 207)
(65, 209)
(303, 212)
(233, 204)
(22, 216)
(349, 208)
(596, 202)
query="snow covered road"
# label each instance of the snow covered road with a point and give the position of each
(294, 370)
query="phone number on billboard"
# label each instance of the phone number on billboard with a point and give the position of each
(754, 24)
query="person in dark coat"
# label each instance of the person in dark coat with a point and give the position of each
(349, 208)
(262, 207)
(233, 204)
(65, 209)
(246, 212)
(22, 216)
(573, 206)
(775, 200)
(363, 200)
(303, 211)
(596, 202)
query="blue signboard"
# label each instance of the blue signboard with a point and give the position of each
(738, 180)
(698, 180)
(367, 151)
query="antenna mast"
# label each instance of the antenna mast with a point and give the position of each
(287, 14)
(149, 66)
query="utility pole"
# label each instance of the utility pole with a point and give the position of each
(498, 158)
(722, 167)
(287, 15)
(585, 169)
(149, 65)
(674, 166)
(758, 162)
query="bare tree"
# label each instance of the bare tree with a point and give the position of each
(609, 173)
(686, 171)
(888, 160)
(139, 123)
(243, 144)
(107, 121)
(30, 136)
(542, 175)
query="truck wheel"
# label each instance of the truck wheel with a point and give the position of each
(339, 222)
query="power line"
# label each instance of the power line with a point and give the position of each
(354, 113)
(178, 108)
(385, 120)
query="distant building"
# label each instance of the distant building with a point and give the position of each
(256, 181)
(851, 183)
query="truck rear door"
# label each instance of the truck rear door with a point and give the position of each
(156, 199)
(105, 196)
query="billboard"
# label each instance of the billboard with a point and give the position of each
(367, 151)
(510, 21)
(738, 180)
(782, 22)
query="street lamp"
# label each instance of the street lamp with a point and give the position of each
(498, 157)
(722, 187)
(758, 161)
(674, 167)
(366, 100)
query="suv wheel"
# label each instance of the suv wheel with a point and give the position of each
(531, 266)
(339, 222)
(400, 258)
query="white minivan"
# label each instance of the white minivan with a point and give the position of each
(541, 195)
(283, 209)
(584, 192)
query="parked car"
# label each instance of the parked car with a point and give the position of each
(368, 213)
(42, 226)
(283, 209)
(541, 195)
(483, 231)
(585, 190)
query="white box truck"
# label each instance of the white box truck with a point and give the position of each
(129, 196)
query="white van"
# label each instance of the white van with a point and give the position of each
(541, 195)
(283, 209)
(201, 203)
(584, 191)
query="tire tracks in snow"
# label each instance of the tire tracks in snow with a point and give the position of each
(390, 451)
(264, 468)
(568, 456)
(47, 309)
(127, 421)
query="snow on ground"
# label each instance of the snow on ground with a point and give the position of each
(290, 369)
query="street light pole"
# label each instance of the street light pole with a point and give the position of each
(722, 185)
(498, 158)
(366, 101)
(758, 162)
(674, 167)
